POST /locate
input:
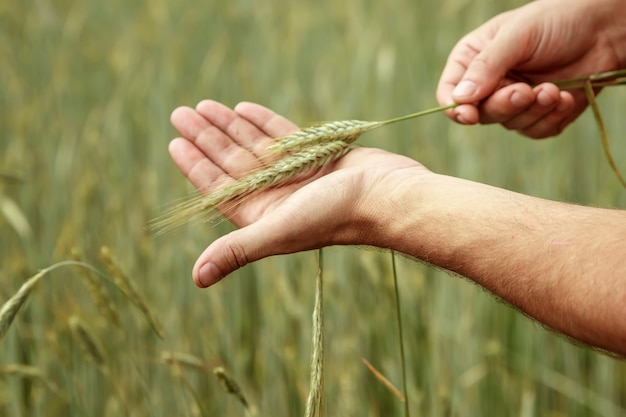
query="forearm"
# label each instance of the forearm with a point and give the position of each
(564, 265)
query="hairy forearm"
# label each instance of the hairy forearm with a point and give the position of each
(563, 264)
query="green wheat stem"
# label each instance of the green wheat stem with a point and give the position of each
(418, 114)
(315, 400)
(591, 98)
(400, 334)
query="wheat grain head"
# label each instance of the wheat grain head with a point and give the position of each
(342, 130)
(229, 196)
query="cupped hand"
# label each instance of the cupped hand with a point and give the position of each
(501, 72)
(336, 204)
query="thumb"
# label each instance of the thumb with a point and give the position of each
(487, 70)
(241, 247)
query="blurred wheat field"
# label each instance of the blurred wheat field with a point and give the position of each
(86, 89)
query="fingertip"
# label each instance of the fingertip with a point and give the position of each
(178, 113)
(207, 275)
(466, 115)
(173, 146)
(566, 102)
(244, 106)
(464, 90)
(203, 104)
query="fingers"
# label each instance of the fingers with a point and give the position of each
(194, 164)
(535, 112)
(269, 122)
(227, 139)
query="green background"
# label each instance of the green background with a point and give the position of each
(86, 89)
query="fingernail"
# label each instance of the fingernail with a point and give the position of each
(519, 100)
(464, 89)
(544, 99)
(459, 118)
(208, 275)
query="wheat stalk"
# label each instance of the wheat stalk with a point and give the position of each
(304, 150)
(343, 130)
(315, 400)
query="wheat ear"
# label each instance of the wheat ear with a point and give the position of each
(13, 305)
(341, 130)
(122, 281)
(98, 291)
(31, 373)
(231, 195)
(88, 343)
(230, 386)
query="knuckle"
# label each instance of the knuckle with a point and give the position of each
(238, 256)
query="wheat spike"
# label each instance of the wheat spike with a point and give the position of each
(125, 285)
(14, 304)
(88, 343)
(98, 291)
(184, 359)
(342, 130)
(230, 195)
(229, 385)
(31, 373)
(309, 148)
(10, 309)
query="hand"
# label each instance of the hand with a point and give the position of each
(543, 41)
(332, 205)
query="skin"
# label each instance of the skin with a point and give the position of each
(542, 41)
(562, 264)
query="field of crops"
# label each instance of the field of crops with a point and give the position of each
(86, 89)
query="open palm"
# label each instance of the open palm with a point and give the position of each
(318, 208)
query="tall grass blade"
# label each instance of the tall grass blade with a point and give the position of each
(315, 400)
(400, 333)
(183, 377)
(384, 380)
